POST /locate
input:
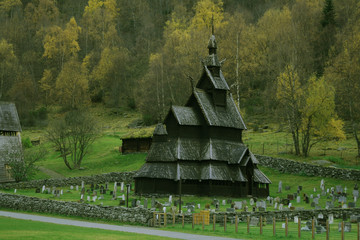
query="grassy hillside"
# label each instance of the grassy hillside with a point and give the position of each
(104, 155)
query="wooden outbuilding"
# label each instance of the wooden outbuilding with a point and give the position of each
(198, 149)
(10, 139)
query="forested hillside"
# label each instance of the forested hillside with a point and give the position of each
(297, 61)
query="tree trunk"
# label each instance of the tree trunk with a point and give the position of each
(357, 140)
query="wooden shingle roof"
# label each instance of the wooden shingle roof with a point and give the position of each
(9, 119)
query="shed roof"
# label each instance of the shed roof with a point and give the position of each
(9, 119)
(160, 130)
(227, 117)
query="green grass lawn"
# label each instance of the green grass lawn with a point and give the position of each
(26, 229)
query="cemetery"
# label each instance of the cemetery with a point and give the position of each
(200, 176)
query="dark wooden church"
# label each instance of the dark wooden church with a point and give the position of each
(199, 147)
(10, 139)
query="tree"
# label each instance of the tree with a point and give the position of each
(72, 136)
(72, 85)
(22, 162)
(8, 62)
(309, 110)
(289, 93)
(344, 72)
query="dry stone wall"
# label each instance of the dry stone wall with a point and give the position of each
(126, 177)
(33, 204)
(294, 167)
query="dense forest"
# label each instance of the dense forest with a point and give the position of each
(296, 60)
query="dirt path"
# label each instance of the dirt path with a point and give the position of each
(51, 173)
(132, 229)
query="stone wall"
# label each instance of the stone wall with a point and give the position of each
(126, 177)
(294, 167)
(144, 216)
(33, 204)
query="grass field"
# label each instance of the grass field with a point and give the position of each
(26, 229)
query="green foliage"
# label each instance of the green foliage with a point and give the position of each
(26, 142)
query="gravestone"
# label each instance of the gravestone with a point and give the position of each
(262, 209)
(170, 199)
(316, 201)
(123, 197)
(344, 206)
(298, 199)
(252, 201)
(276, 205)
(312, 204)
(198, 206)
(307, 200)
(122, 202)
(77, 188)
(71, 187)
(122, 187)
(331, 218)
(296, 219)
(355, 218)
(356, 193)
(83, 190)
(145, 203)
(133, 203)
(88, 198)
(285, 201)
(280, 187)
(300, 188)
(347, 227)
(329, 205)
(228, 201)
(37, 190)
(287, 188)
(281, 207)
(153, 202)
(223, 202)
(43, 189)
(351, 204)
(238, 205)
(339, 189)
(290, 196)
(319, 229)
(61, 192)
(254, 221)
(107, 185)
(138, 203)
(111, 193)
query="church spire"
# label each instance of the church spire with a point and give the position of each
(212, 59)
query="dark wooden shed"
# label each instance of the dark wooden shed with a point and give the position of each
(10, 139)
(200, 145)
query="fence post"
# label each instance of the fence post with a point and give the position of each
(358, 231)
(193, 221)
(236, 223)
(261, 223)
(203, 221)
(299, 227)
(342, 230)
(165, 215)
(173, 219)
(327, 230)
(274, 226)
(225, 223)
(313, 228)
(214, 222)
(183, 221)
(286, 226)
(248, 224)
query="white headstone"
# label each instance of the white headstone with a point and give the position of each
(314, 189)
(322, 185)
(327, 190)
(82, 184)
(296, 219)
(15, 190)
(198, 205)
(115, 186)
(94, 198)
(344, 206)
(170, 199)
(280, 187)
(122, 186)
(298, 199)
(281, 207)
(71, 187)
(43, 189)
(276, 205)
(123, 197)
(268, 198)
(289, 205)
(61, 192)
(164, 209)
(283, 225)
(224, 202)
(251, 201)
(311, 196)
(355, 199)
(77, 188)
(82, 197)
(320, 216)
(331, 218)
